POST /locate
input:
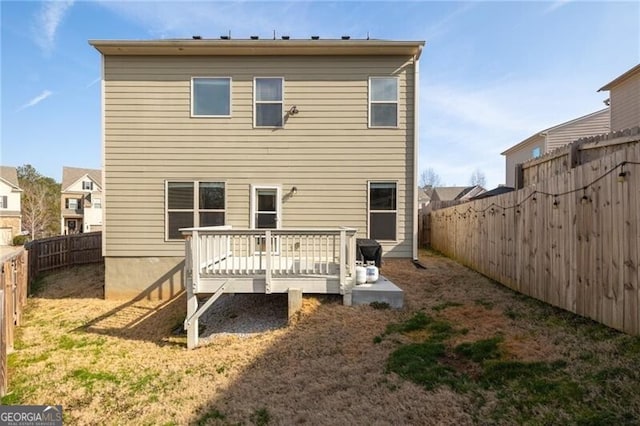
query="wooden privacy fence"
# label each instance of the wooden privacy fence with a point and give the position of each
(13, 297)
(66, 250)
(424, 219)
(571, 240)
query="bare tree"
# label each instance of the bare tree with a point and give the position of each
(429, 177)
(478, 178)
(40, 203)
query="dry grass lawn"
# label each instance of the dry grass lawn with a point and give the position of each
(112, 363)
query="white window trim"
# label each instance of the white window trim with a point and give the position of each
(369, 211)
(90, 185)
(196, 204)
(397, 102)
(253, 202)
(255, 103)
(193, 115)
(77, 203)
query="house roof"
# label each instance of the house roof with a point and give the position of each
(449, 193)
(542, 133)
(425, 194)
(493, 192)
(633, 71)
(184, 47)
(70, 175)
(10, 175)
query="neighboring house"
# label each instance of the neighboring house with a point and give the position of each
(253, 134)
(424, 196)
(554, 137)
(10, 208)
(624, 99)
(456, 193)
(81, 200)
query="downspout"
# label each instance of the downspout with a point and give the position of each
(104, 148)
(416, 142)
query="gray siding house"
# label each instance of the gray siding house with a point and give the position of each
(253, 135)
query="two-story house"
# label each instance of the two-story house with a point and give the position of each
(256, 135)
(10, 208)
(81, 200)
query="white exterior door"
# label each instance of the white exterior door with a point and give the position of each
(266, 207)
(266, 210)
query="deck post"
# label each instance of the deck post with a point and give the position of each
(190, 283)
(267, 262)
(342, 260)
(294, 302)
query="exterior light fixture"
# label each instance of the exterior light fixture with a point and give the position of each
(293, 110)
(294, 190)
(622, 176)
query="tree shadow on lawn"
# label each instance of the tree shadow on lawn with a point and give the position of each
(77, 282)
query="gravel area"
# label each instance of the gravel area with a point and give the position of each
(243, 315)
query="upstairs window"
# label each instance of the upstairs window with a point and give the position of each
(73, 203)
(211, 97)
(383, 102)
(3, 202)
(382, 210)
(97, 203)
(269, 101)
(193, 204)
(87, 186)
(535, 152)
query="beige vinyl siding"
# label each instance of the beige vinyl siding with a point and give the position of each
(625, 104)
(595, 124)
(520, 155)
(326, 150)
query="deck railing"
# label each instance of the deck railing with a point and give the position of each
(217, 252)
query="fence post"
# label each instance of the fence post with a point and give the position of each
(267, 261)
(3, 347)
(519, 182)
(574, 154)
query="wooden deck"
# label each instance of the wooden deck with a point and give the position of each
(222, 260)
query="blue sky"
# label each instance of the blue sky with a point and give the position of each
(492, 73)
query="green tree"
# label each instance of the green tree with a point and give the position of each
(40, 203)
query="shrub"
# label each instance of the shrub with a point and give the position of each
(20, 240)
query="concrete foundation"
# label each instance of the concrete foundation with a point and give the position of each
(151, 278)
(382, 291)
